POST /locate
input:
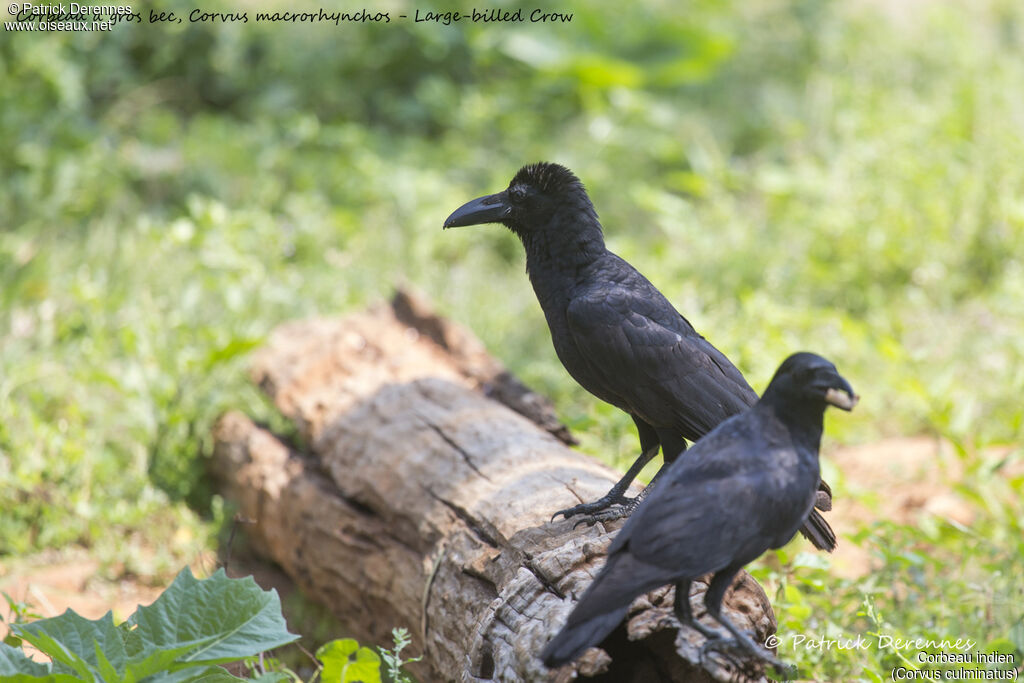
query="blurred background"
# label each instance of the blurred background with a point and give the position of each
(843, 177)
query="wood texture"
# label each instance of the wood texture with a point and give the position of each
(422, 497)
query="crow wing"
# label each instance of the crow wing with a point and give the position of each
(708, 511)
(638, 348)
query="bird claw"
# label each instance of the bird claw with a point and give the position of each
(715, 646)
(609, 514)
(719, 645)
(597, 509)
(708, 633)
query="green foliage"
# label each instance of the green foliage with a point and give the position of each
(190, 629)
(937, 581)
(393, 659)
(346, 662)
(20, 612)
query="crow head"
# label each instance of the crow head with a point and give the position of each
(806, 380)
(543, 200)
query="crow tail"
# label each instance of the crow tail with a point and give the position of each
(574, 639)
(817, 531)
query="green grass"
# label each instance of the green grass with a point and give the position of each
(794, 175)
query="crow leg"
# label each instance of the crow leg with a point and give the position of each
(614, 496)
(685, 615)
(649, 445)
(626, 507)
(672, 446)
(740, 641)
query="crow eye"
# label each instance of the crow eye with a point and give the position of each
(518, 193)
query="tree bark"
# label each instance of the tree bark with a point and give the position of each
(422, 495)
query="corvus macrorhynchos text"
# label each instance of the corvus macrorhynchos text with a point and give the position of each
(614, 331)
(744, 488)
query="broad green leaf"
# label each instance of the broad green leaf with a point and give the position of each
(75, 642)
(64, 661)
(205, 674)
(212, 674)
(107, 670)
(14, 661)
(48, 678)
(192, 624)
(345, 662)
(16, 667)
(160, 660)
(227, 619)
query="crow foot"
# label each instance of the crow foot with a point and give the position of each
(610, 513)
(738, 652)
(607, 504)
(706, 631)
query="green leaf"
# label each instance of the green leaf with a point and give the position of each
(160, 660)
(193, 624)
(64, 661)
(210, 674)
(107, 670)
(232, 349)
(90, 648)
(222, 619)
(14, 661)
(345, 662)
(203, 674)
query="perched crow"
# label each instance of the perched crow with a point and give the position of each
(615, 333)
(744, 488)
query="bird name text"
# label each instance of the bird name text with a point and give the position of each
(488, 16)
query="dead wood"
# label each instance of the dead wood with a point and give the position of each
(421, 497)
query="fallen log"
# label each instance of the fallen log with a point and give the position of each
(421, 497)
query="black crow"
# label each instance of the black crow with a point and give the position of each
(744, 488)
(615, 333)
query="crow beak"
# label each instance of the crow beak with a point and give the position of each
(490, 209)
(842, 397)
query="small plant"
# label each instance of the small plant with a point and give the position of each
(393, 657)
(345, 661)
(191, 629)
(19, 613)
(184, 637)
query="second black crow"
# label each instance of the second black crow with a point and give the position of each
(744, 488)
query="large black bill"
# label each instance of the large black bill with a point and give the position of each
(489, 209)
